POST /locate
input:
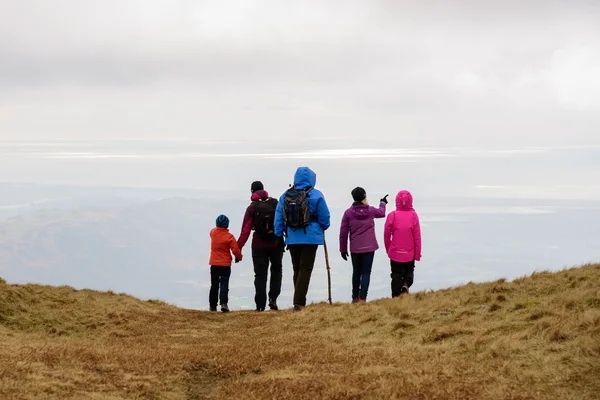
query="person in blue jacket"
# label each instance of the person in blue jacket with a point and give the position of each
(304, 241)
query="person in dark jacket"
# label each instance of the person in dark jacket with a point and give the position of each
(266, 247)
(303, 243)
(358, 223)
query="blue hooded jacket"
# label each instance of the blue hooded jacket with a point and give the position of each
(303, 179)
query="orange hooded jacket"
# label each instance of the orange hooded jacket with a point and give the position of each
(222, 244)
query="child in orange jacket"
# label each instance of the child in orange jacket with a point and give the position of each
(222, 244)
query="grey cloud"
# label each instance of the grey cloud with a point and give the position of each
(122, 41)
(444, 69)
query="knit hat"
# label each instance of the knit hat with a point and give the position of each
(256, 185)
(222, 221)
(359, 194)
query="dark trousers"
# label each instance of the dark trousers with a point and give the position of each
(402, 274)
(261, 259)
(219, 285)
(303, 261)
(362, 263)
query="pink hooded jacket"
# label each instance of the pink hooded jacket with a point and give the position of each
(402, 232)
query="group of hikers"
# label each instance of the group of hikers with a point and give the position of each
(297, 222)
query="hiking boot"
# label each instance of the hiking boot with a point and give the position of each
(297, 308)
(362, 299)
(404, 290)
(259, 309)
(213, 308)
(273, 305)
(224, 308)
(355, 300)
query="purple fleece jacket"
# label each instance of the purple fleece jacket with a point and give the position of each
(358, 222)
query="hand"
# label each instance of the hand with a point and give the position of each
(384, 199)
(281, 243)
(345, 255)
(237, 260)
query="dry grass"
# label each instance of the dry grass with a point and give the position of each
(535, 338)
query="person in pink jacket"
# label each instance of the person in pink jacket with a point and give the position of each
(402, 239)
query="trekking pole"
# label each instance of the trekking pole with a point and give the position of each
(328, 269)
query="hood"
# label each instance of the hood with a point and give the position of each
(259, 195)
(404, 201)
(305, 178)
(360, 211)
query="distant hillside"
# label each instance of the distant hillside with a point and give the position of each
(153, 242)
(537, 337)
(139, 247)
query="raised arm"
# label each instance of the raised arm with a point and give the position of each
(378, 212)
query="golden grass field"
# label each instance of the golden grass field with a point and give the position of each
(537, 337)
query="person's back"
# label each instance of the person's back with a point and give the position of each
(222, 244)
(258, 199)
(358, 224)
(305, 180)
(302, 241)
(266, 247)
(402, 238)
(402, 235)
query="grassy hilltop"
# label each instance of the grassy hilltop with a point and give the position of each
(537, 337)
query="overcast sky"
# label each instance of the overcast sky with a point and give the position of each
(426, 72)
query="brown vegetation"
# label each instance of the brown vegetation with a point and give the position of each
(534, 338)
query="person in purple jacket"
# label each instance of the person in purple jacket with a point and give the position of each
(358, 223)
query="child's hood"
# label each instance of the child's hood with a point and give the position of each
(404, 201)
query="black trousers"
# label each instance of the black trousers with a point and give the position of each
(402, 274)
(219, 285)
(303, 261)
(261, 259)
(362, 264)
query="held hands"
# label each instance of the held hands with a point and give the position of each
(345, 255)
(237, 260)
(281, 244)
(384, 199)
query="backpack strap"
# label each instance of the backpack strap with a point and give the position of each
(313, 216)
